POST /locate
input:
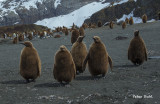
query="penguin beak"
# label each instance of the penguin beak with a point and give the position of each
(94, 39)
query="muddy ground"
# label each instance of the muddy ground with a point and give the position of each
(119, 87)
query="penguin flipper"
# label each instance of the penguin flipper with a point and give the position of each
(128, 55)
(85, 62)
(54, 72)
(145, 54)
(39, 66)
(110, 62)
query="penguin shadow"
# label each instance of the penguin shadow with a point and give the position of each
(46, 85)
(125, 66)
(14, 82)
(83, 78)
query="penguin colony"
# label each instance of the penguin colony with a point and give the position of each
(67, 64)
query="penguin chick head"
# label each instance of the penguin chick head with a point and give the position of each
(136, 33)
(62, 48)
(96, 39)
(27, 44)
(80, 38)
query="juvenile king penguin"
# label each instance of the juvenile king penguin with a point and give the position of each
(98, 58)
(64, 67)
(144, 18)
(137, 51)
(30, 63)
(79, 53)
(75, 35)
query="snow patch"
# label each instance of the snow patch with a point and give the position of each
(121, 2)
(135, 19)
(31, 3)
(2, 0)
(56, 3)
(77, 17)
(152, 20)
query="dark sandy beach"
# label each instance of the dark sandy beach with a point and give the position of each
(121, 86)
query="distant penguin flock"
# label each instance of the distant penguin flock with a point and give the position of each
(69, 63)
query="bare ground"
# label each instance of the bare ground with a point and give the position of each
(119, 86)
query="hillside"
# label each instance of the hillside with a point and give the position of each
(30, 11)
(139, 7)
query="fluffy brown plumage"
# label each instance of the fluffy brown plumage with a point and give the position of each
(81, 31)
(79, 53)
(64, 67)
(127, 21)
(131, 22)
(144, 18)
(57, 36)
(98, 58)
(111, 25)
(21, 37)
(85, 25)
(15, 40)
(30, 37)
(123, 25)
(66, 32)
(137, 51)
(74, 36)
(30, 63)
(99, 24)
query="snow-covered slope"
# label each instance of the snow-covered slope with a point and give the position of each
(27, 4)
(77, 17)
(135, 19)
(30, 11)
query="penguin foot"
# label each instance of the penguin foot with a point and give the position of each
(27, 81)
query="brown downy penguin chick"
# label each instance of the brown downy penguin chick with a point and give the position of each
(99, 24)
(144, 18)
(123, 25)
(137, 51)
(111, 25)
(79, 53)
(98, 58)
(81, 31)
(131, 21)
(57, 36)
(21, 37)
(30, 63)
(74, 36)
(64, 67)
(15, 39)
(85, 25)
(90, 24)
(66, 32)
(30, 37)
(127, 21)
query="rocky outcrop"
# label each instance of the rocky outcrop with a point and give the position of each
(42, 10)
(140, 7)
